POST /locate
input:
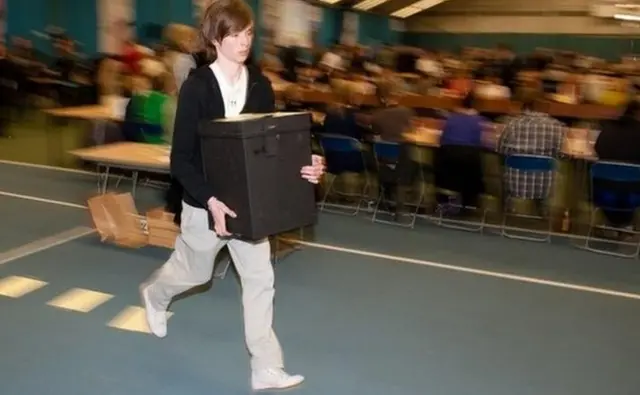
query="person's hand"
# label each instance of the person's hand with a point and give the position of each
(220, 211)
(315, 171)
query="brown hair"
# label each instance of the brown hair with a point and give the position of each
(528, 97)
(220, 19)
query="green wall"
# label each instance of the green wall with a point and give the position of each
(608, 47)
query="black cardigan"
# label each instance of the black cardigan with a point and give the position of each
(200, 100)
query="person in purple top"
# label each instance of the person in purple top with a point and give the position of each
(458, 161)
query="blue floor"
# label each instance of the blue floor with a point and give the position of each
(358, 320)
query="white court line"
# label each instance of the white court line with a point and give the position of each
(41, 200)
(44, 244)
(61, 169)
(425, 217)
(46, 167)
(67, 170)
(396, 258)
(463, 269)
(491, 226)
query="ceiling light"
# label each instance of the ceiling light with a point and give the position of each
(415, 8)
(368, 4)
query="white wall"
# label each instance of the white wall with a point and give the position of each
(516, 16)
(290, 20)
(113, 16)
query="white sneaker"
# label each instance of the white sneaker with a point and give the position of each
(156, 320)
(274, 379)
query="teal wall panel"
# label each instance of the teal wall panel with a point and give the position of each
(373, 30)
(181, 11)
(330, 26)
(22, 20)
(77, 17)
(256, 7)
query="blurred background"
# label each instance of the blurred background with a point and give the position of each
(453, 88)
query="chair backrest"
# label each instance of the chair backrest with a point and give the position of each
(386, 152)
(530, 163)
(616, 171)
(529, 176)
(611, 185)
(342, 154)
(338, 143)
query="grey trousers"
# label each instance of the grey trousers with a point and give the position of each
(191, 264)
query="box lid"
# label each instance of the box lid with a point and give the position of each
(252, 125)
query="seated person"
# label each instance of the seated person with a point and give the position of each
(569, 91)
(458, 161)
(530, 133)
(290, 64)
(618, 141)
(429, 65)
(341, 115)
(461, 84)
(391, 120)
(329, 65)
(616, 92)
(593, 85)
(145, 117)
(390, 123)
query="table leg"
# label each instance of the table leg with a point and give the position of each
(103, 179)
(50, 130)
(134, 179)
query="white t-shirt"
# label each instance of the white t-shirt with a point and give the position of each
(234, 95)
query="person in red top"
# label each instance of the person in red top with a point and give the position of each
(131, 57)
(461, 84)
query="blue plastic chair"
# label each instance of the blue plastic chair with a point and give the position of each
(386, 152)
(531, 165)
(614, 201)
(343, 155)
(387, 155)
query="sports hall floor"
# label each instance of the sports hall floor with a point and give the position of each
(364, 309)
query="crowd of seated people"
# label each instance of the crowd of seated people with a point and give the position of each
(150, 77)
(491, 74)
(368, 91)
(25, 73)
(495, 75)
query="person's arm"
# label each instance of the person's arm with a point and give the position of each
(559, 138)
(503, 141)
(185, 142)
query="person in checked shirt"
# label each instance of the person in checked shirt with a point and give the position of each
(530, 133)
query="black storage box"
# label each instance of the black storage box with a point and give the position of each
(253, 163)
